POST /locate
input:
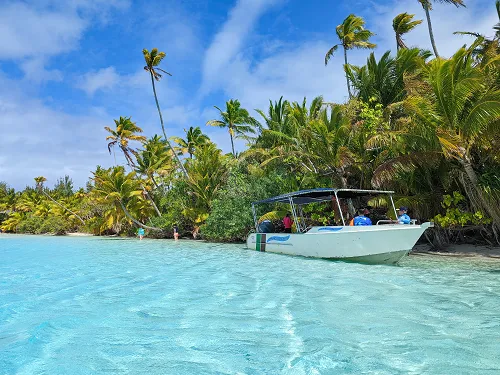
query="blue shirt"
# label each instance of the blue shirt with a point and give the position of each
(404, 219)
(140, 232)
(362, 220)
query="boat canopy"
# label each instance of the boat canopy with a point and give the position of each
(320, 195)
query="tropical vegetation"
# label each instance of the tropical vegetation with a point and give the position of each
(426, 127)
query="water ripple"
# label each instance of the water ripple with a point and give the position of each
(99, 305)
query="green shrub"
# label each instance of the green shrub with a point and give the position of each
(55, 225)
(30, 224)
(457, 213)
(231, 216)
(38, 225)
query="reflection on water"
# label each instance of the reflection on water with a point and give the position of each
(93, 305)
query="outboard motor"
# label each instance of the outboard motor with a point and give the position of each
(266, 226)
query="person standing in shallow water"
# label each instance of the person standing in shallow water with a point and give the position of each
(176, 232)
(140, 233)
(287, 222)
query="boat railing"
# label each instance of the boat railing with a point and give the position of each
(412, 222)
(386, 222)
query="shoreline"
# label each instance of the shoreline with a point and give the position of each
(459, 251)
(452, 251)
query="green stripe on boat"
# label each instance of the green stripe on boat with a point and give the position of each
(260, 242)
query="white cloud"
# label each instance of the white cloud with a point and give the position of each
(26, 31)
(228, 42)
(38, 30)
(34, 70)
(37, 140)
(102, 79)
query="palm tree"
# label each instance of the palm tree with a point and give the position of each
(123, 191)
(352, 34)
(277, 123)
(153, 60)
(427, 5)
(206, 173)
(237, 120)
(459, 121)
(194, 139)
(383, 80)
(124, 133)
(402, 24)
(39, 186)
(154, 159)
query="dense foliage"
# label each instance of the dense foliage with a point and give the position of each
(427, 128)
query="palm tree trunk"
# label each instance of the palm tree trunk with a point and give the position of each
(431, 33)
(136, 222)
(346, 76)
(154, 182)
(60, 205)
(151, 200)
(490, 208)
(232, 143)
(163, 128)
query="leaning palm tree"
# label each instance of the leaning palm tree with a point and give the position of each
(39, 186)
(237, 120)
(427, 5)
(352, 34)
(194, 139)
(153, 60)
(124, 133)
(402, 24)
(122, 191)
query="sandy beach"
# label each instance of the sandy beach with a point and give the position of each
(464, 250)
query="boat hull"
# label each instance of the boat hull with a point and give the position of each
(383, 244)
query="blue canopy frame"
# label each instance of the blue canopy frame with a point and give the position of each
(299, 198)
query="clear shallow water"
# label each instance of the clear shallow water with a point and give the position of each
(98, 306)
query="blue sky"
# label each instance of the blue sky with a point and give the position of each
(67, 69)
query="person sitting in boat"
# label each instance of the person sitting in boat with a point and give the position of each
(361, 219)
(403, 217)
(287, 222)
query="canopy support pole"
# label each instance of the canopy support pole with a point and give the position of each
(294, 214)
(301, 213)
(255, 219)
(340, 209)
(394, 207)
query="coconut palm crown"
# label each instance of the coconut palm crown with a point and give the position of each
(352, 34)
(402, 24)
(237, 120)
(126, 130)
(194, 139)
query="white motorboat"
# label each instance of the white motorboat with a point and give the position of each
(385, 242)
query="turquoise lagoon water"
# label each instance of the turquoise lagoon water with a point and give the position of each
(120, 306)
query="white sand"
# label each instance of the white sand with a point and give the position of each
(460, 250)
